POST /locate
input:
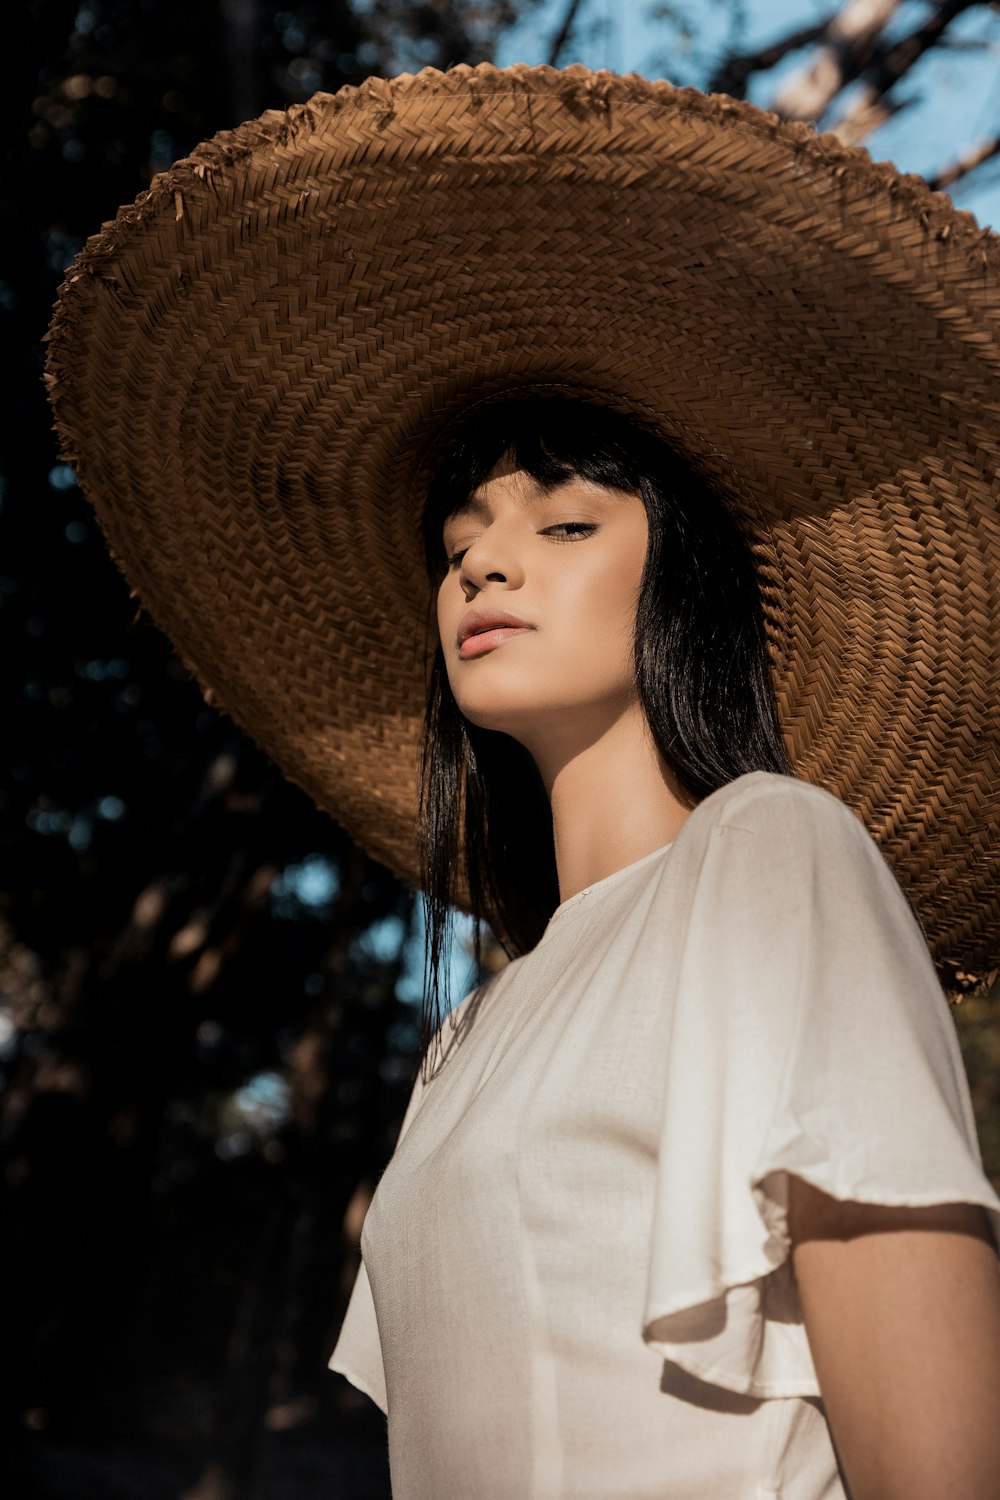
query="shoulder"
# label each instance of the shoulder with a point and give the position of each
(789, 842)
(782, 829)
(766, 802)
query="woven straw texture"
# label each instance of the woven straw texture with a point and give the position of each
(251, 367)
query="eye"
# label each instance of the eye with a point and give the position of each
(574, 528)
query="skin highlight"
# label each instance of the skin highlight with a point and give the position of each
(569, 563)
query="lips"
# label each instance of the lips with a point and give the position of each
(482, 630)
(479, 621)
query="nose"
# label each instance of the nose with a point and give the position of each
(490, 559)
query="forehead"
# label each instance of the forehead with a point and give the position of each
(520, 485)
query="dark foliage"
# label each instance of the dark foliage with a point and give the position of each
(204, 1062)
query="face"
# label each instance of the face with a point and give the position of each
(567, 565)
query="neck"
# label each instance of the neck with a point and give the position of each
(613, 800)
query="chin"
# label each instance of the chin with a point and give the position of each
(490, 716)
(499, 711)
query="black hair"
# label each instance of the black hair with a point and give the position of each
(701, 665)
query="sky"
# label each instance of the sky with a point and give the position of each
(955, 93)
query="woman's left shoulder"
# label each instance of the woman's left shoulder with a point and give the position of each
(768, 802)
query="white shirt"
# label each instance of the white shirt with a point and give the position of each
(576, 1280)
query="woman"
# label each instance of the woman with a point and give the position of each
(725, 1024)
(690, 1204)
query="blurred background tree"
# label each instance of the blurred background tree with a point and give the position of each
(208, 1020)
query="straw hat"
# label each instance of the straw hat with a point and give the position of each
(252, 366)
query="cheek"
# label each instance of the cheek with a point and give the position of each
(445, 605)
(606, 596)
(627, 577)
(607, 614)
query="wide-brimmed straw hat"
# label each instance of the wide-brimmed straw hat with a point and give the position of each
(255, 365)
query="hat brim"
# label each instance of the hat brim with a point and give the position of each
(252, 368)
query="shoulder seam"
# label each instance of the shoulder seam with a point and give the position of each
(776, 785)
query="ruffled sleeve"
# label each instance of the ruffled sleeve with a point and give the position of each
(357, 1353)
(810, 1037)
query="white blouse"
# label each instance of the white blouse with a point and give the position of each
(576, 1279)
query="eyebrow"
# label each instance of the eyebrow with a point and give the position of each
(480, 510)
(471, 507)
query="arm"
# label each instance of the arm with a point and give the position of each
(902, 1311)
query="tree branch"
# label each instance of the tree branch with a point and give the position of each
(851, 39)
(872, 109)
(731, 76)
(562, 35)
(965, 164)
(893, 64)
(865, 116)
